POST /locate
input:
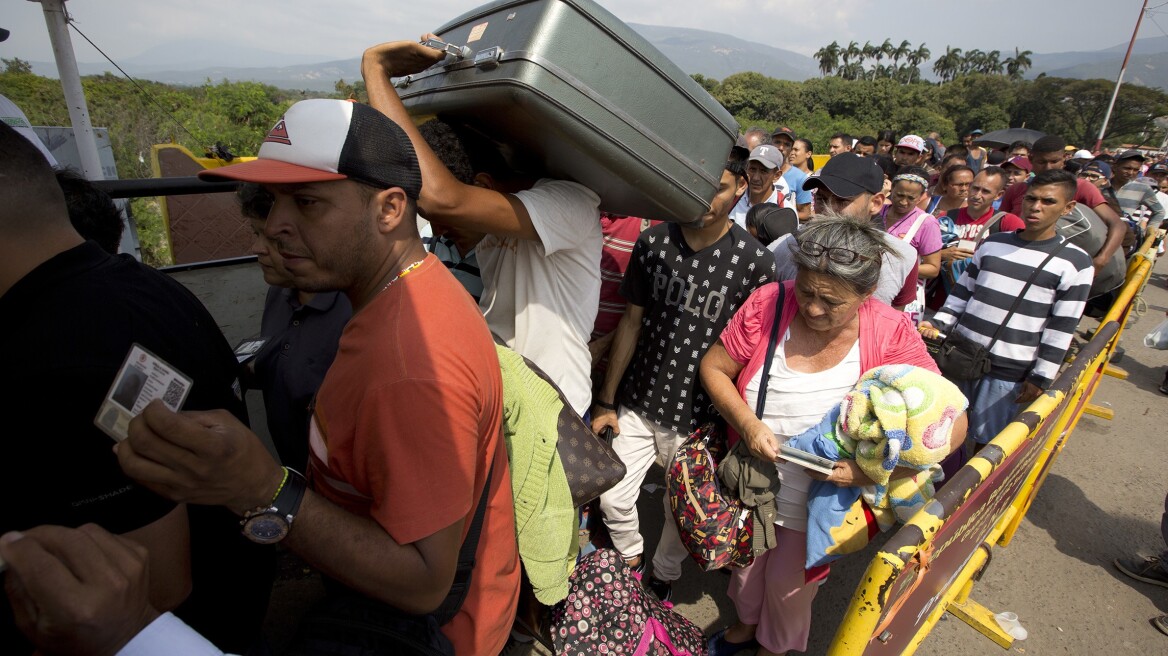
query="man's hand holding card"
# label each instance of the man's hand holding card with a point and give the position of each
(207, 458)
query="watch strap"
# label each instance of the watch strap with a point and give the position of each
(288, 499)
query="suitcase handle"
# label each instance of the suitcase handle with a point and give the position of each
(458, 52)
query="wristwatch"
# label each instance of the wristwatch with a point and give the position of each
(270, 524)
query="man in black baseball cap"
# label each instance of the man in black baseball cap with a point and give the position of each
(848, 184)
(1137, 200)
(854, 186)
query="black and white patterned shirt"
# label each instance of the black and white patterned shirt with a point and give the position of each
(688, 297)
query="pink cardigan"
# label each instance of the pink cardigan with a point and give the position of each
(886, 336)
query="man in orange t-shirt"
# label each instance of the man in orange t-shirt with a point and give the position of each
(405, 434)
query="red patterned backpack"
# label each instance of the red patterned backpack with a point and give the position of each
(716, 529)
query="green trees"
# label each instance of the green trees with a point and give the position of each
(822, 106)
(849, 62)
(1074, 109)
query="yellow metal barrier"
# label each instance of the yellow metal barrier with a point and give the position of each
(930, 565)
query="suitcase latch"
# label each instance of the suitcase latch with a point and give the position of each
(489, 58)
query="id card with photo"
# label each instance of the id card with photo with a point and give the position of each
(248, 348)
(143, 378)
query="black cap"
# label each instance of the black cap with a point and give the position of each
(785, 131)
(1159, 167)
(1130, 154)
(848, 175)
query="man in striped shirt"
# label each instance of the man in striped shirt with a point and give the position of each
(1137, 200)
(1031, 342)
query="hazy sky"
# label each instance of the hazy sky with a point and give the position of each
(337, 29)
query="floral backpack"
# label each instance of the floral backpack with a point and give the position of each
(608, 612)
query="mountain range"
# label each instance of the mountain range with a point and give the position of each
(711, 54)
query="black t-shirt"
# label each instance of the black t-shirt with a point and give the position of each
(65, 329)
(302, 344)
(688, 297)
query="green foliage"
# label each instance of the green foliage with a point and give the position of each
(16, 65)
(820, 107)
(1075, 109)
(236, 115)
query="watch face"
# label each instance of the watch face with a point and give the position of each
(265, 528)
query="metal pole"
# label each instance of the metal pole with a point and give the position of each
(71, 85)
(1119, 81)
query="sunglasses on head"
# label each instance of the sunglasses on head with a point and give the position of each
(837, 255)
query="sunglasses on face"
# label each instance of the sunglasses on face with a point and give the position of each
(1091, 176)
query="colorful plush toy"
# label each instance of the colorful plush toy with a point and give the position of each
(896, 416)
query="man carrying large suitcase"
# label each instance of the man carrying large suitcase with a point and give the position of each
(540, 261)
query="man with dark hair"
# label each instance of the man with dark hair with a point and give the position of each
(1019, 149)
(1137, 200)
(840, 142)
(865, 147)
(971, 225)
(405, 443)
(71, 313)
(796, 197)
(455, 247)
(540, 260)
(91, 211)
(854, 186)
(301, 329)
(1026, 348)
(683, 285)
(1047, 154)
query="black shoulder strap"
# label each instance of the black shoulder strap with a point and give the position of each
(1025, 288)
(770, 354)
(991, 227)
(466, 557)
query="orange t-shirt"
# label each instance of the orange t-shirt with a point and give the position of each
(407, 422)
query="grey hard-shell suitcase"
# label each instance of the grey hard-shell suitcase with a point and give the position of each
(567, 82)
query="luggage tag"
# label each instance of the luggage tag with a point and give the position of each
(142, 378)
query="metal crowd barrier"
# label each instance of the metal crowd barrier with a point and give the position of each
(929, 566)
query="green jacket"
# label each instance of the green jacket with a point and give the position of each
(545, 520)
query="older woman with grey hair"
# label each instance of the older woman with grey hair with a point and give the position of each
(831, 330)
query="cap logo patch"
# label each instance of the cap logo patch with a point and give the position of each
(278, 134)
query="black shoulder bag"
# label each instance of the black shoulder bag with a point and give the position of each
(960, 358)
(347, 623)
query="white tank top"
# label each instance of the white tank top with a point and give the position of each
(796, 401)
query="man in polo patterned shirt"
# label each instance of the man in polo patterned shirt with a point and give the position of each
(682, 285)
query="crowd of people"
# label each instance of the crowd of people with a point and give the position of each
(381, 377)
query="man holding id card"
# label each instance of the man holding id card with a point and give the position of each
(72, 315)
(406, 457)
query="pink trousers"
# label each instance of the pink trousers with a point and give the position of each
(773, 594)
